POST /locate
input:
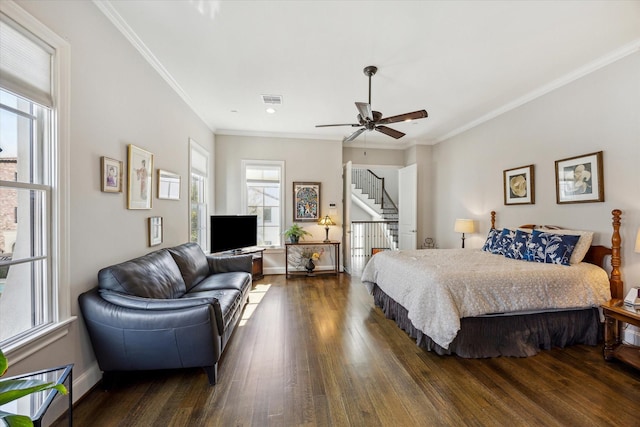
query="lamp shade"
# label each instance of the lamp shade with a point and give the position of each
(464, 226)
(638, 242)
(326, 220)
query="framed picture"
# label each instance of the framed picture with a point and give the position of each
(155, 230)
(139, 178)
(519, 186)
(580, 179)
(168, 185)
(111, 175)
(306, 201)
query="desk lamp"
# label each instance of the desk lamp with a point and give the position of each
(326, 221)
(464, 226)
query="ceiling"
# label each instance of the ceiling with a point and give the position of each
(463, 61)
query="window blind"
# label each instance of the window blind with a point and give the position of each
(25, 63)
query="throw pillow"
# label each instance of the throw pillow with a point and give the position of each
(491, 240)
(583, 245)
(503, 241)
(550, 248)
(518, 247)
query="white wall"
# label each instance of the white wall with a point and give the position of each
(598, 112)
(305, 160)
(116, 99)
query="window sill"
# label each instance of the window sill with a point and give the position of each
(23, 349)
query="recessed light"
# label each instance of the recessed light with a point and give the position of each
(271, 110)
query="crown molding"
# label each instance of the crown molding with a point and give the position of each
(587, 69)
(116, 19)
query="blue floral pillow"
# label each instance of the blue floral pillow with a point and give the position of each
(503, 241)
(491, 240)
(518, 247)
(551, 248)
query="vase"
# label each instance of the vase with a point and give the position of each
(294, 239)
(310, 266)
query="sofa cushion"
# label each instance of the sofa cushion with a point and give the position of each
(228, 302)
(240, 281)
(155, 275)
(192, 263)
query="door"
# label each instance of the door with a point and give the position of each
(408, 207)
(346, 217)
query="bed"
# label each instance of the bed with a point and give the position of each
(476, 304)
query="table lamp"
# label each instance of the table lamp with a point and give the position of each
(464, 226)
(326, 221)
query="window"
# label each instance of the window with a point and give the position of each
(263, 197)
(199, 160)
(34, 292)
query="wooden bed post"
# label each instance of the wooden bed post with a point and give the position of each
(493, 219)
(616, 281)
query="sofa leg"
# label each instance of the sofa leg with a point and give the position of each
(108, 379)
(212, 373)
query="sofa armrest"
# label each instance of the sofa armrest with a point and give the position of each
(126, 338)
(227, 264)
(141, 303)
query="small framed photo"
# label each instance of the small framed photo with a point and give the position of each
(139, 178)
(111, 175)
(580, 179)
(519, 186)
(306, 201)
(168, 185)
(155, 230)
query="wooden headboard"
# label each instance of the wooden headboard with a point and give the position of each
(597, 253)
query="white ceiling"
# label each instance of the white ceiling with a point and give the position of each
(462, 61)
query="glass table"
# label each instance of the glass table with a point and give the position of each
(35, 405)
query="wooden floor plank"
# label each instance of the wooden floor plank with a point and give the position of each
(315, 351)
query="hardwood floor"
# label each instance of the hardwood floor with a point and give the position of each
(316, 352)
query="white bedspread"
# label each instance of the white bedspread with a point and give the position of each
(438, 287)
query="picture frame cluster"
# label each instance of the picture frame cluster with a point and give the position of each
(140, 185)
(579, 179)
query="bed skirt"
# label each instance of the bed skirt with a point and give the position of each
(516, 336)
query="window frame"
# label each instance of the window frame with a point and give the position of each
(244, 198)
(59, 172)
(201, 151)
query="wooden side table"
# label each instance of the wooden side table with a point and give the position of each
(336, 258)
(616, 313)
(35, 405)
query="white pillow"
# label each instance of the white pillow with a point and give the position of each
(583, 245)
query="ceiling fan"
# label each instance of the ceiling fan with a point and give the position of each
(373, 120)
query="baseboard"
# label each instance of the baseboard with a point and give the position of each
(82, 384)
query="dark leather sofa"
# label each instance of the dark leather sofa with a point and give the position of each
(171, 308)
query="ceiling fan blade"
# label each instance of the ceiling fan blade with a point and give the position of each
(404, 117)
(342, 124)
(364, 109)
(354, 135)
(391, 132)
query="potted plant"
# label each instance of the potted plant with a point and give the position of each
(15, 389)
(295, 232)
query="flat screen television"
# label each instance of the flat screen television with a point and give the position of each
(233, 232)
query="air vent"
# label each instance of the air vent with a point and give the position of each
(272, 99)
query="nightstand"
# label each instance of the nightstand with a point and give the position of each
(616, 313)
